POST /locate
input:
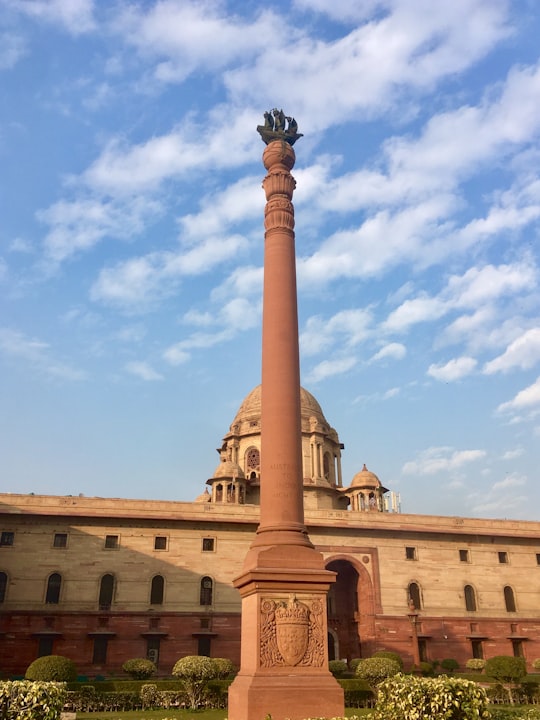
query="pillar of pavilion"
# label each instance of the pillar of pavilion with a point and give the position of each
(284, 650)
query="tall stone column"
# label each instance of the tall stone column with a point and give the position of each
(284, 657)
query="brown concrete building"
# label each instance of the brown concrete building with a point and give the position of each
(102, 580)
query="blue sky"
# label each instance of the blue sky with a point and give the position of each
(131, 239)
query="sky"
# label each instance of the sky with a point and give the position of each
(131, 240)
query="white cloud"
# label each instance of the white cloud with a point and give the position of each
(513, 454)
(138, 283)
(330, 368)
(393, 351)
(454, 369)
(526, 399)
(143, 370)
(416, 310)
(80, 224)
(12, 49)
(441, 459)
(523, 352)
(76, 16)
(16, 345)
(347, 327)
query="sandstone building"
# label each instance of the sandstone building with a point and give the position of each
(103, 580)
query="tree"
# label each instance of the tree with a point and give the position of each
(376, 669)
(55, 668)
(195, 671)
(506, 669)
(139, 668)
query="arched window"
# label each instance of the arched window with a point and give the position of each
(206, 591)
(470, 598)
(253, 462)
(326, 466)
(53, 589)
(219, 493)
(509, 599)
(3, 586)
(106, 592)
(156, 590)
(414, 595)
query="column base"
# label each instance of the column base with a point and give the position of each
(293, 696)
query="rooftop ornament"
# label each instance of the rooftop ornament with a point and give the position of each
(278, 126)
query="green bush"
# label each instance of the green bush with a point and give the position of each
(408, 697)
(390, 655)
(536, 664)
(426, 668)
(195, 671)
(376, 669)
(357, 693)
(150, 696)
(337, 667)
(449, 665)
(52, 668)
(224, 668)
(353, 664)
(27, 700)
(506, 668)
(139, 668)
(476, 664)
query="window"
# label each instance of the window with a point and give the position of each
(477, 649)
(470, 598)
(99, 655)
(111, 542)
(503, 557)
(410, 553)
(205, 597)
(54, 584)
(45, 646)
(423, 650)
(204, 646)
(160, 542)
(517, 648)
(152, 649)
(464, 555)
(208, 545)
(7, 538)
(509, 599)
(106, 592)
(156, 590)
(538, 558)
(253, 459)
(3, 586)
(60, 540)
(413, 595)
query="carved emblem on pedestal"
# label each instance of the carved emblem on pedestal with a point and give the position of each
(292, 633)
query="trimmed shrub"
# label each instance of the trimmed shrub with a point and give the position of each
(449, 665)
(376, 669)
(27, 700)
(195, 671)
(139, 668)
(357, 693)
(536, 664)
(223, 667)
(506, 668)
(426, 668)
(52, 668)
(476, 664)
(407, 697)
(337, 667)
(354, 664)
(150, 696)
(390, 655)
(217, 693)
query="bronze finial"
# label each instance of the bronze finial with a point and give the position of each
(278, 126)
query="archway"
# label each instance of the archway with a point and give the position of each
(343, 611)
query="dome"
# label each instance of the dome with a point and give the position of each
(248, 417)
(204, 497)
(228, 469)
(366, 479)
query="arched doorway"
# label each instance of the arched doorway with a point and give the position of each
(343, 611)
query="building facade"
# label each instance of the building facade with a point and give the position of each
(104, 580)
